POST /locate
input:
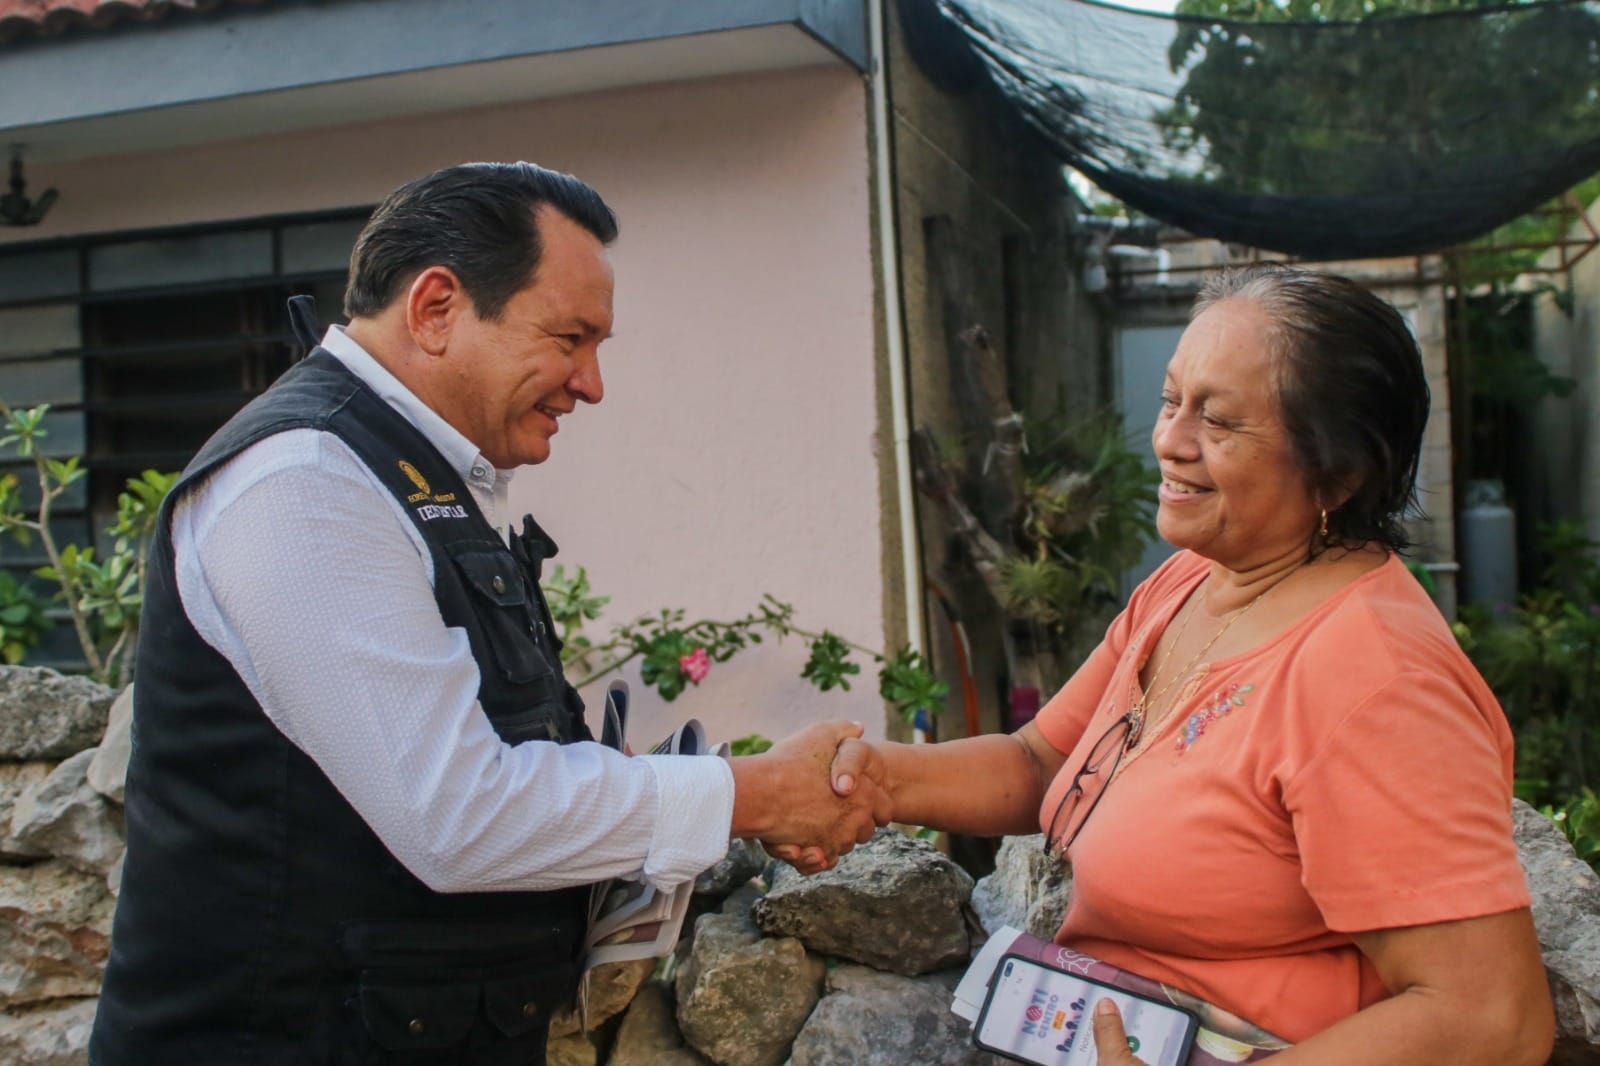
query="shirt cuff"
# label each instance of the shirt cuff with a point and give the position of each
(694, 814)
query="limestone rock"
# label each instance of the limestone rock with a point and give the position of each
(47, 715)
(1027, 891)
(114, 875)
(66, 818)
(15, 779)
(742, 998)
(745, 859)
(54, 1035)
(1566, 912)
(742, 900)
(730, 884)
(649, 1035)
(612, 986)
(893, 904)
(867, 1018)
(574, 1049)
(109, 768)
(55, 933)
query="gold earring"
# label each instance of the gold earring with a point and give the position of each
(1324, 530)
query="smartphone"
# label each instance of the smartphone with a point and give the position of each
(1034, 1013)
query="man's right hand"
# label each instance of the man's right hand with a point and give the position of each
(857, 773)
(786, 797)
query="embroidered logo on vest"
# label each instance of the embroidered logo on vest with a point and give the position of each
(429, 512)
(425, 490)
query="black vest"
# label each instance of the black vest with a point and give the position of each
(261, 921)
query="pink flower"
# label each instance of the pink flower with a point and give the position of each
(696, 665)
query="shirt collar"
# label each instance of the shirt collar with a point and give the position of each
(462, 455)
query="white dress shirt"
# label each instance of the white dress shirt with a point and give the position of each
(298, 566)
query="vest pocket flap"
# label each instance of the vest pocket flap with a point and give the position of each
(418, 1016)
(500, 603)
(520, 1003)
(494, 575)
(485, 945)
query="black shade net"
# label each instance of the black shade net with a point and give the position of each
(1391, 136)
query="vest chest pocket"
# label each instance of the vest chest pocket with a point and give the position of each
(500, 603)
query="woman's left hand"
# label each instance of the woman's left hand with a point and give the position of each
(1110, 1039)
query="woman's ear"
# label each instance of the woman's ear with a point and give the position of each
(1345, 492)
(1339, 493)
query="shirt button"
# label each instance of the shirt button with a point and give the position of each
(416, 1028)
(499, 583)
(480, 471)
(530, 1009)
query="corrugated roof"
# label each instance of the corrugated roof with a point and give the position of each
(34, 18)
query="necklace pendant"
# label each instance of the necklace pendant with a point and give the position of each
(1135, 723)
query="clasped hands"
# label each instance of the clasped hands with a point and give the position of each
(813, 796)
(833, 790)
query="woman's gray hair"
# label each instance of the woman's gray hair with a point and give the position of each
(1352, 393)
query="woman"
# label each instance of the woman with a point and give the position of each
(1282, 787)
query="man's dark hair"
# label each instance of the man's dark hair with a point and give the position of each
(478, 219)
(1352, 393)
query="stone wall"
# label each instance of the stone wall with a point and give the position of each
(854, 967)
(60, 858)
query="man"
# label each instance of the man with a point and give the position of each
(362, 813)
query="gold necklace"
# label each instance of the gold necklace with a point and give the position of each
(1143, 704)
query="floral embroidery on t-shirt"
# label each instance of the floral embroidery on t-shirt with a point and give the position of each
(1221, 702)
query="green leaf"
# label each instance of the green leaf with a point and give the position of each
(23, 618)
(64, 471)
(139, 506)
(754, 744)
(907, 683)
(828, 666)
(661, 650)
(26, 429)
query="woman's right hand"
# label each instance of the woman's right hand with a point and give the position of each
(855, 760)
(989, 785)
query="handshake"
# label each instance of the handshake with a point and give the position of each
(813, 796)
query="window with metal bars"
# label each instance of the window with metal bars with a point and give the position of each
(144, 344)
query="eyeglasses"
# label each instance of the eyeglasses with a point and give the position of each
(1073, 811)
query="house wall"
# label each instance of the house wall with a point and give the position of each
(734, 453)
(963, 156)
(1567, 432)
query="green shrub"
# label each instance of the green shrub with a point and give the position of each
(1579, 819)
(102, 596)
(23, 621)
(1542, 658)
(675, 652)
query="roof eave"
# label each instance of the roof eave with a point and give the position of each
(267, 69)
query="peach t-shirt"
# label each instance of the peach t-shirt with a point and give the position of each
(1351, 773)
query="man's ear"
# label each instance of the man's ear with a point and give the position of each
(435, 303)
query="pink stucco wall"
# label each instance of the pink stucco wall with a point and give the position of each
(734, 452)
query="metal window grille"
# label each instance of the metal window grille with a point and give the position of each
(144, 344)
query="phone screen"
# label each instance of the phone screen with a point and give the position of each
(1042, 1015)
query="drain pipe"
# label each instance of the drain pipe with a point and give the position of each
(893, 330)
